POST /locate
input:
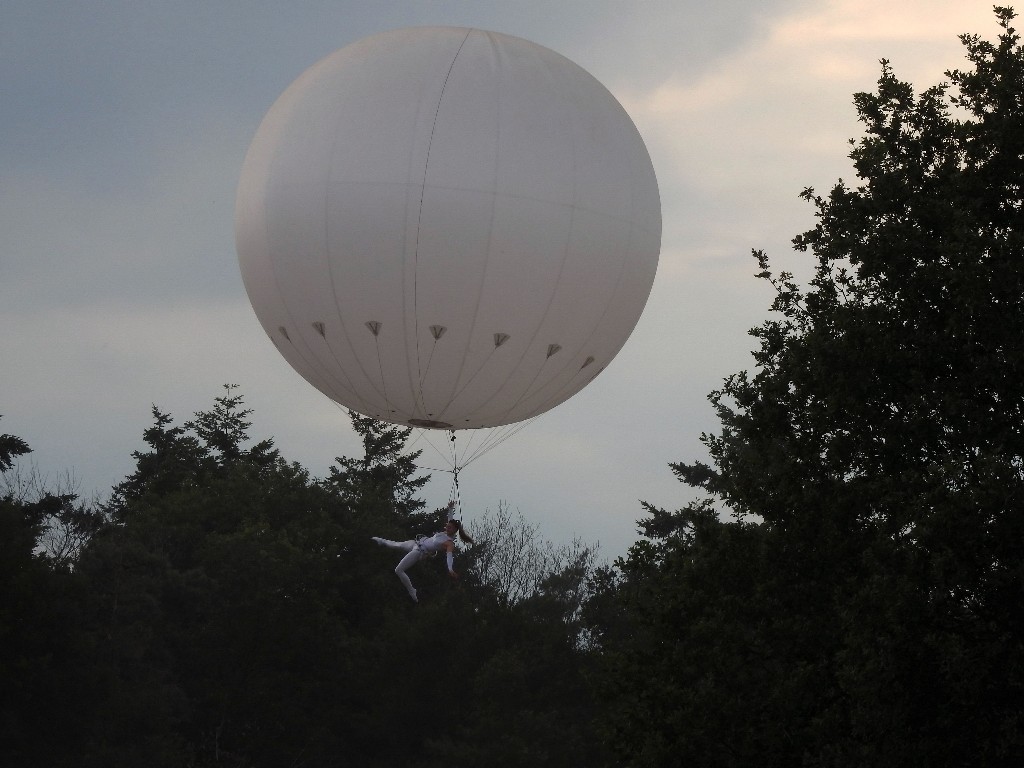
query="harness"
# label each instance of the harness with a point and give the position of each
(423, 550)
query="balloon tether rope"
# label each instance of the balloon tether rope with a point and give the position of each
(455, 495)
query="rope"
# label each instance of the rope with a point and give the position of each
(455, 493)
(496, 437)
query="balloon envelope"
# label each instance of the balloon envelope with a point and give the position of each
(448, 227)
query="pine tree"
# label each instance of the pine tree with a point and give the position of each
(382, 484)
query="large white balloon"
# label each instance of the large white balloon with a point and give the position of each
(448, 227)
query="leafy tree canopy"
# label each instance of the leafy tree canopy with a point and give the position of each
(864, 606)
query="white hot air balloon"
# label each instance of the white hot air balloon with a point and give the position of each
(449, 228)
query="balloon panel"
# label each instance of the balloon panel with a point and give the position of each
(448, 226)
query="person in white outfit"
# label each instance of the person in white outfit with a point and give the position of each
(417, 549)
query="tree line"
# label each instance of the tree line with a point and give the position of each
(845, 589)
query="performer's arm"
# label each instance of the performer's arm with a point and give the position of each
(450, 557)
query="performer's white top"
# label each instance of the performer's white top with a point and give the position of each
(434, 543)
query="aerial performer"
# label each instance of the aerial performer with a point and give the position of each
(448, 228)
(427, 546)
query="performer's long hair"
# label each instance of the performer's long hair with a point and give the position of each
(461, 532)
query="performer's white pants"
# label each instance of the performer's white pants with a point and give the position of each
(414, 555)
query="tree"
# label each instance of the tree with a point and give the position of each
(42, 675)
(874, 465)
(231, 610)
(547, 583)
(10, 448)
(383, 481)
(242, 604)
(221, 598)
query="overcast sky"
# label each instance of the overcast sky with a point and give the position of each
(123, 127)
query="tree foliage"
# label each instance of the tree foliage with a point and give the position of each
(517, 564)
(863, 606)
(10, 448)
(383, 481)
(40, 597)
(223, 607)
